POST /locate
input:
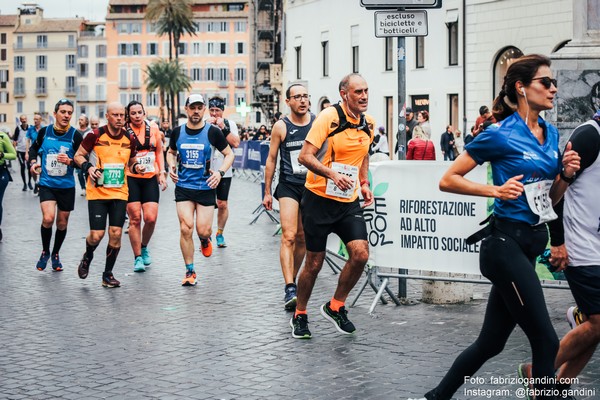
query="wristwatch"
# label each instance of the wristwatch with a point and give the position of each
(222, 173)
(566, 178)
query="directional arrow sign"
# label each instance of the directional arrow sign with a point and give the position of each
(400, 23)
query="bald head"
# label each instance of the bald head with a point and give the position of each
(115, 117)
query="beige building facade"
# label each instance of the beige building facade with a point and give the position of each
(44, 62)
(216, 58)
(92, 70)
(7, 26)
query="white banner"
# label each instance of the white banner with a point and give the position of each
(414, 225)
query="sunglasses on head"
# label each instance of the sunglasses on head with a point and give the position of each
(547, 82)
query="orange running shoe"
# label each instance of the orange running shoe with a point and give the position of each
(190, 278)
(206, 247)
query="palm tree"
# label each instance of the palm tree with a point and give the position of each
(174, 18)
(169, 78)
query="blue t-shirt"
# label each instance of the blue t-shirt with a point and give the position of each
(32, 133)
(512, 150)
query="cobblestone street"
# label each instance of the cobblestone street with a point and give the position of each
(226, 338)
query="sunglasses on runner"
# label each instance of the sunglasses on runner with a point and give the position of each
(547, 82)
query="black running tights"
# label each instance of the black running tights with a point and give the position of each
(516, 298)
(23, 164)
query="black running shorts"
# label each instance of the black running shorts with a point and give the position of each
(286, 189)
(585, 287)
(64, 198)
(203, 197)
(223, 189)
(322, 216)
(144, 190)
(100, 209)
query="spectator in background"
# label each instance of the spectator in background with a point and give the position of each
(469, 138)
(423, 120)
(484, 116)
(420, 147)
(94, 122)
(447, 144)
(411, 122)
(459, 143)
(380, 150)
(261, 134)
(326, 103)
(84, 129)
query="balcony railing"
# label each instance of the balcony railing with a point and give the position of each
(123, 85)
(49, 46)
(41, 92)
(240, 84)
(136, 84)
(223, 84)
(19, 93)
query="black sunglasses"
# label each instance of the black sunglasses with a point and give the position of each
(547, 82)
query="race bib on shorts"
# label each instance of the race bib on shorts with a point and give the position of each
(147, 159)
(192, 155)
(297, 168)
(114, 175)
(538, 198)
(344, 169)
(54, 167)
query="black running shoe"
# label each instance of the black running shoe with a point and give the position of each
(338, 319)
(290, 298)
(109, 281)
(299, 326)
(84, 267)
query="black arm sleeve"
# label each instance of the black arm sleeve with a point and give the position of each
(35, 146)
(585, 141)
(77, 139)
(174, 137)
(15, 135)
(216, 138)
(556, 229)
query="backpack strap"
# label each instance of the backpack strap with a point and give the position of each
(345, 124)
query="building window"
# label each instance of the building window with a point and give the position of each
(151, 27)
(453, 43)
(40, 85)
(41, 63)
(3, 78)
(19, 107)
(505, 58)
(42, 41)
(196, 74)
(224, 26)
(2, 38)
(223, 48)
(19, 42)
(123, 98)
(100, 111)
(183, 48)
(196, 48)
(2, 117)
(129, 49)
(240, 26)
(3, 97)
(152, 49)
(298, 62)
(82, 51)
(101, 70)
(100, 92)
(136, 28)
(240, 48)
(420, 51)
(41, 106)
(123, 78)
(19, 63)
(71, 41)
(70, 85)
(70, 61)
(235, 7)
(210, 74)
(136, 96)
(82, 109)
(210, 48)
(19, 86)
(223, 74)
(453, 110)
(135, 78)
(3, 55)
(389, 53)
(325, 53)
(82, 70)
(83, 93)
(240, 74)
(152, 99)
(101, 50)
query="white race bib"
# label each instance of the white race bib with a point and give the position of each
(297, 168)
(538, 198)
(114, 175)
(192, 155)
(345, 169)
(54, 167)
(147, 160)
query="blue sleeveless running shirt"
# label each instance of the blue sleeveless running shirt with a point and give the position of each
(513, 150)
(56, 174)
(194, 151)
(289, 169)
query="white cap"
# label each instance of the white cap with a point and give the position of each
(194, 98)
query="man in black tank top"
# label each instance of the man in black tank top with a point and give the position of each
(287, 138)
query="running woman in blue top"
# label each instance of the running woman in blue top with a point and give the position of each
(56, 145)
(195, 181)
(523, 151)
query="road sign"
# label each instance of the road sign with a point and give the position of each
(393, 4)
(400, 23)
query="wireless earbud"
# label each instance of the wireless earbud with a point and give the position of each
(523, 91)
